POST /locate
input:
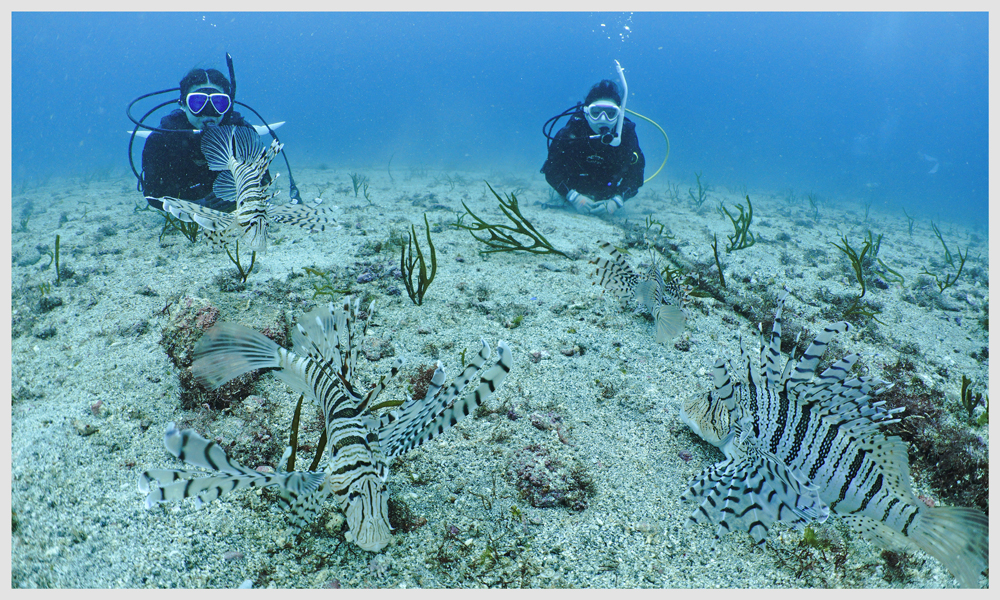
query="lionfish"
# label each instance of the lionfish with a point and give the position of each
(241, 159)
(801, 446)
(666, 302)
(359, 444)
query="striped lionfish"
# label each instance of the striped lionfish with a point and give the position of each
(800, 446)
(241, 159)
(359, 444)
(666, 302)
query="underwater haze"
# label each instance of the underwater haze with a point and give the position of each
(889, 108)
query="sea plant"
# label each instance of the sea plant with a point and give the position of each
(453, 180)
(502, 236)
(140, 206)
(674, 191)
(244, 273)
(814, 206)
(326, 288)
(857, 260)
(859, 264)
(416, 262)
(909, 223)
(22, 226)
(890, 270)
(948, 258)
(702, 192)
(970, 401)
(949, 280)
(718, 265)
(358, 179)
(55, 258)
(867, 203)
(742, 236)
(651, 223)
(367, 194)
(189, 229)
(654, 233)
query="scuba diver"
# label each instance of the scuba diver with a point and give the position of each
(594, 162)
(172, 161)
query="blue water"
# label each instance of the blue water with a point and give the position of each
(849, 106)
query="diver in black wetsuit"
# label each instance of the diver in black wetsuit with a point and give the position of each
(594, 162)
(172, 163)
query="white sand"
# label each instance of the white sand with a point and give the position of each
(80, 520)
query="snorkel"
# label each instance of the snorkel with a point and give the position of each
(621, 114)
(232, 77)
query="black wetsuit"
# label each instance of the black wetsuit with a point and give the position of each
(173, 165)
(576, 162)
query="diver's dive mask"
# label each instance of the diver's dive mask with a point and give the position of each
(206, 105)
(602, 111)
(200, 100)
(602, 116)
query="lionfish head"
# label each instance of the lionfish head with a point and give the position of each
(708, 417)
(367, 514)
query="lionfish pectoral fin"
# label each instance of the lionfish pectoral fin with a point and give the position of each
(228, 350)
(223, 476)
(670, 320)
(751, 494)
(615, 275)
(211, 220)
(217, 147)
(424, 420)
(218, 239)
(225, 186)
(305, 216)
(173, 207)
(644, 294)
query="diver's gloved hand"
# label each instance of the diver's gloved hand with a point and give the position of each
(607, 205)
(583, 204)
(614, 204)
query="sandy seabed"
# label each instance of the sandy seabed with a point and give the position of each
(592, 402)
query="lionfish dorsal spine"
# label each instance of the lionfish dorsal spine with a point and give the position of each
(419, 421)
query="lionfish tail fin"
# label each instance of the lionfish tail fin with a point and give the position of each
(958, 537)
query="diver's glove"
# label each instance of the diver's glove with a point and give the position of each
(581, 203)
(607, 205)
(614, 204)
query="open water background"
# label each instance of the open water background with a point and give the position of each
(849, 106)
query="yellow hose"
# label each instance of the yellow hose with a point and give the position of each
(629, 110)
